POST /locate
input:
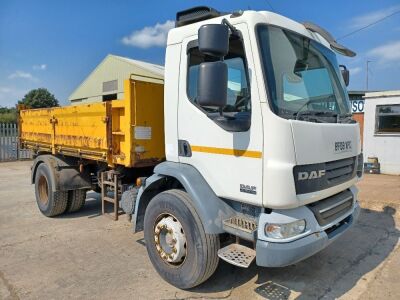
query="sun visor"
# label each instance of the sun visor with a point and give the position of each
(329, 38)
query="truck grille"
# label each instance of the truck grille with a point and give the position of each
(332, 208)
(340, 170)
(320, 176)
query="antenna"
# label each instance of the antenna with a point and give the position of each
(368, 61)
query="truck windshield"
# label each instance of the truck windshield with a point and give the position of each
(302, 77)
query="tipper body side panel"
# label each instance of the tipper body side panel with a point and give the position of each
(128, 132)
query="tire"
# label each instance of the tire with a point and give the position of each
(51, 203)
(201, 258)
(76, 200)
(128, 201)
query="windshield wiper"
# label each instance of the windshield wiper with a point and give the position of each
(317, 115)
(318, 100)
(346, 118)
(340, 118)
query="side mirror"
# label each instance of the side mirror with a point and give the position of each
(214, 40)
(212, 84)
(345, 74)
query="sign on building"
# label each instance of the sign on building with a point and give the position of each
(357, 106)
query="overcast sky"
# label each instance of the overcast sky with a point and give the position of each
(56, 44)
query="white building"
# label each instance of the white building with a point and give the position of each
(382, 129)
(106, 82)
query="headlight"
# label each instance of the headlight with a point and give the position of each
(284, 231)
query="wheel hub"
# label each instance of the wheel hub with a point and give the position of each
(43, 190)
(170, 239)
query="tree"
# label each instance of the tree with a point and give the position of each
(39, 98)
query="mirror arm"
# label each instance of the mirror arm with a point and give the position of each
(345, 70)
(232, 28)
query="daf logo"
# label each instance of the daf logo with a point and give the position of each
(311, 175)
(249, 189)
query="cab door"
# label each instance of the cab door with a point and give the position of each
(229, 157)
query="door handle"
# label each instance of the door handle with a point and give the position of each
(184, 148)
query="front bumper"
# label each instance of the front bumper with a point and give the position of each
(280, 254)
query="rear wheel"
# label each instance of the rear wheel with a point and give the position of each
(76, 200)
(51, 203)
(178, 247)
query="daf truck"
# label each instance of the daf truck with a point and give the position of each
(246, 152)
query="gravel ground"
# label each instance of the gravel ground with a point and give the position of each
(89, 256)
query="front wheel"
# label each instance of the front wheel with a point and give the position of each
(178, 247)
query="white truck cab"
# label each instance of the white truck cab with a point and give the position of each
(262, 155)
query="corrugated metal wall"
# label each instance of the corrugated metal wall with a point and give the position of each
(9, 149)
(111, 69)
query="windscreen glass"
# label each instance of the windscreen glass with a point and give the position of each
(302, 76)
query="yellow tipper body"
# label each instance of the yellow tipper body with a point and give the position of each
(128, 132)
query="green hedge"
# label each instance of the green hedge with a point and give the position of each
(8, 115)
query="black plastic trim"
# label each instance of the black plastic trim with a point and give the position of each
(195, 14)
(334, 173)
(184, 148)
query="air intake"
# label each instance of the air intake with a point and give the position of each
(195, 14)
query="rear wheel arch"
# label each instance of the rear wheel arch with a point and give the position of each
(64, 171)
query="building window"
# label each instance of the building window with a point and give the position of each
(78, 100)
(387, 118)
(109, 97)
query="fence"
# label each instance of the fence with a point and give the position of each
(9, 149)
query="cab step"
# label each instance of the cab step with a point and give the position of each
(241, 226)
(237, 255)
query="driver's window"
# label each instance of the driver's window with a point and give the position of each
(238, 95)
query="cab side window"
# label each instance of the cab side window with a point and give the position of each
(238, 94)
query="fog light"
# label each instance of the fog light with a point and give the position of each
(284, 231)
